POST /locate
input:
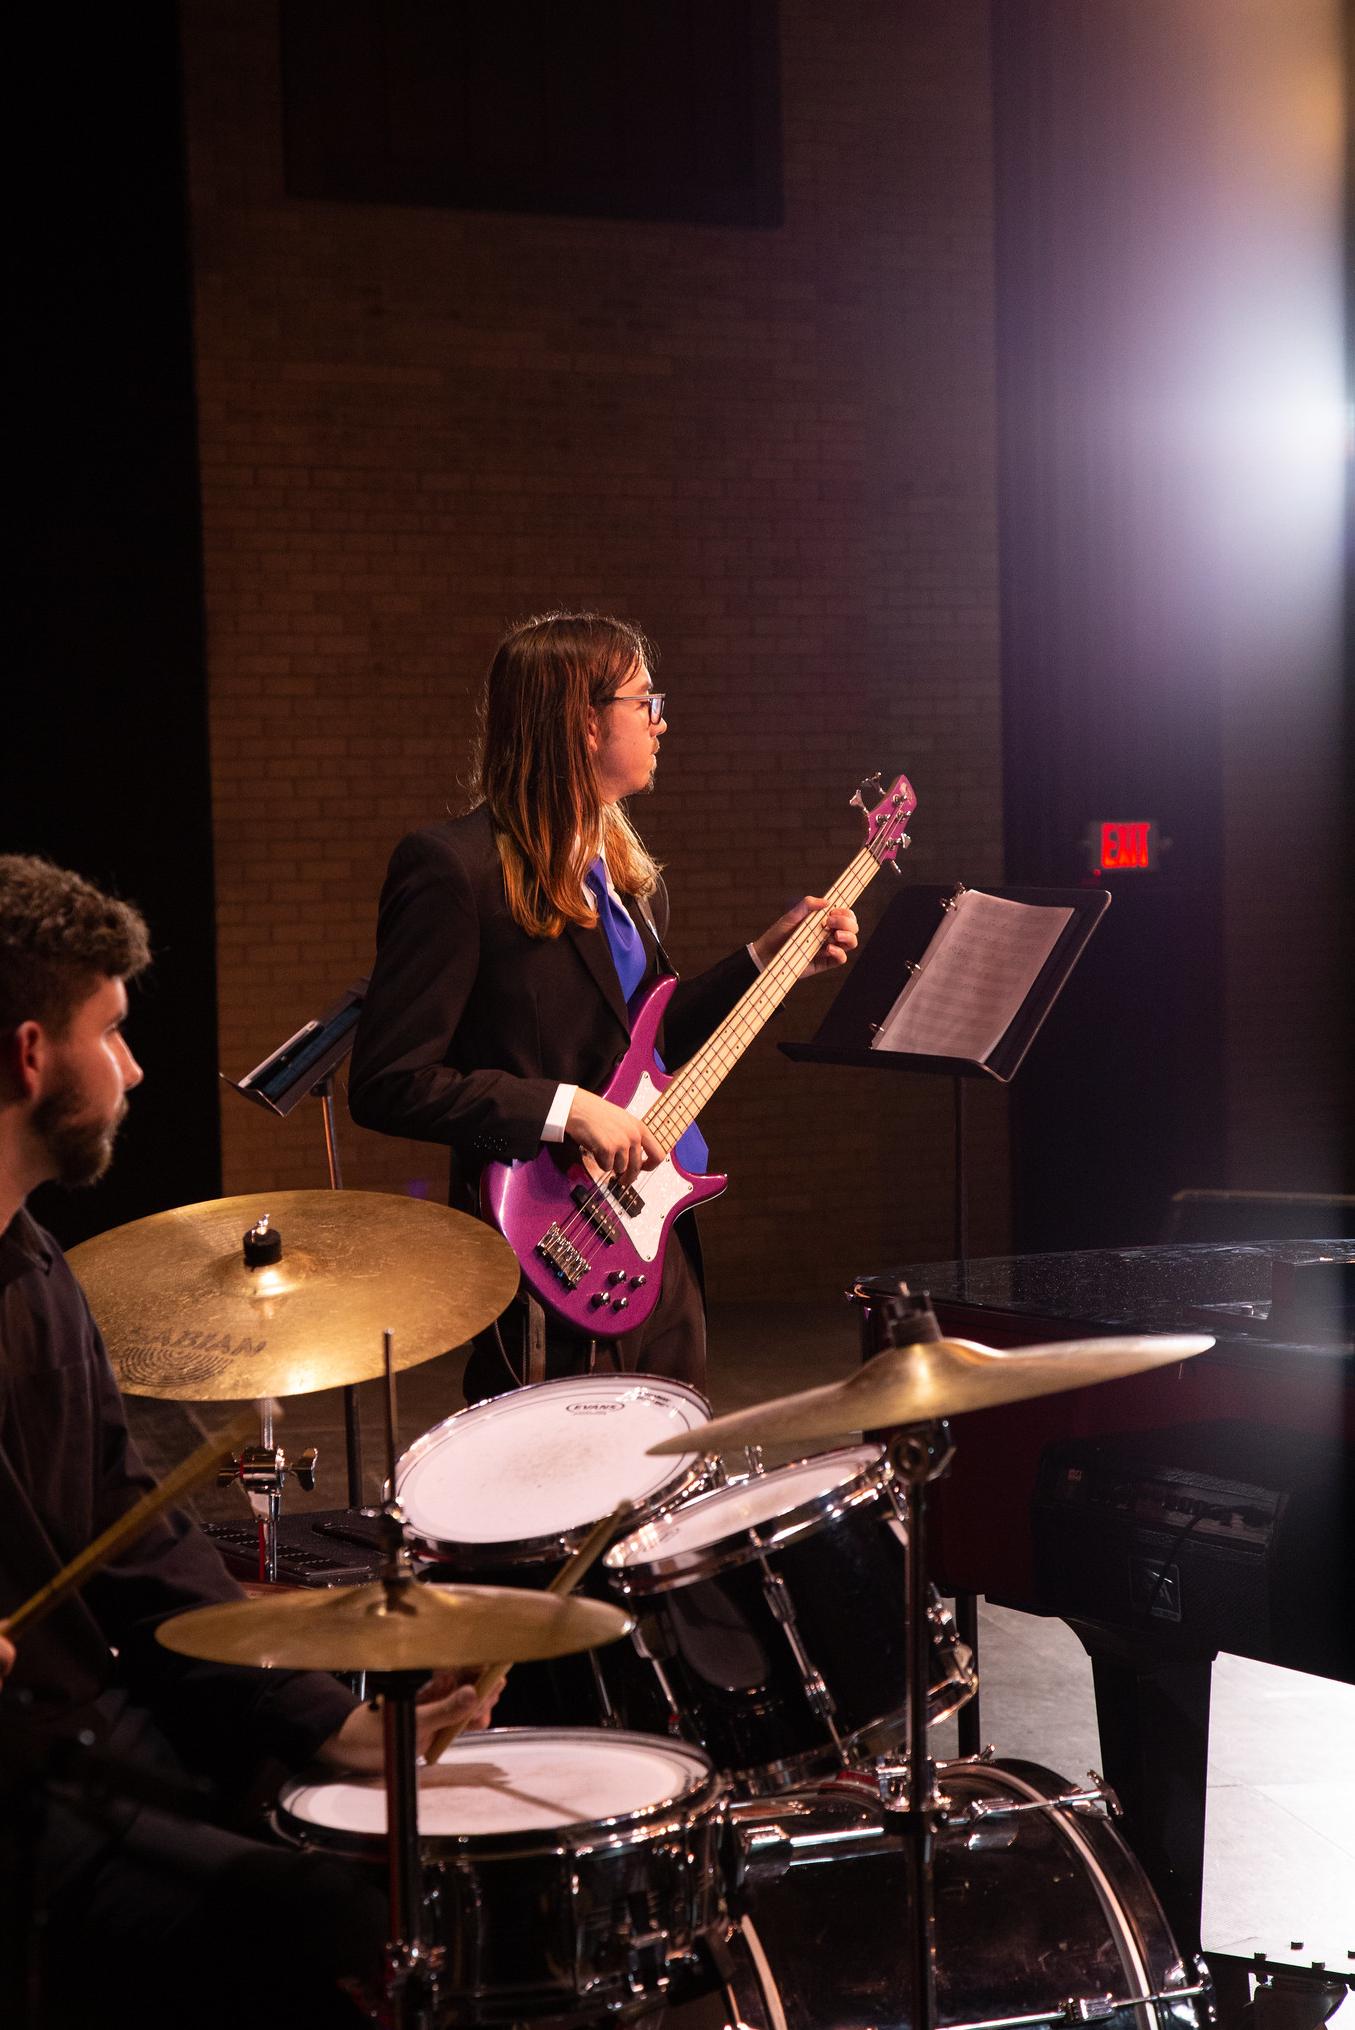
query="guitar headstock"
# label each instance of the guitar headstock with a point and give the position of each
(887, 814)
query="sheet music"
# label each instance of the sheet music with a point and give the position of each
(973, 977)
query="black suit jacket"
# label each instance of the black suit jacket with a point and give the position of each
(469, 1024)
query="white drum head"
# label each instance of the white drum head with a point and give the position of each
(745, 1505)
(516, 1781)
(547, 1459)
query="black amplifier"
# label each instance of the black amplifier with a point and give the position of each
(1213, 1536)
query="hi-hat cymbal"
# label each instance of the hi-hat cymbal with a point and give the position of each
(185, 1318)
(420, 1627)
(939, 1378)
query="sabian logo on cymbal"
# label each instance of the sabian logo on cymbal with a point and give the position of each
(591, 1409)
(202, 1340)
(193, 1355)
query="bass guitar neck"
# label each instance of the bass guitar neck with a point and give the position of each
(591, 1248)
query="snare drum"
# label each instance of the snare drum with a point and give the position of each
(772, 1612)
(503, 1492)
(566, 1871)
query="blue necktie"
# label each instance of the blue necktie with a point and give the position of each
(628, 955)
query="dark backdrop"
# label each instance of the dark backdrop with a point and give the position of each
(104, 758)
(1109, 589)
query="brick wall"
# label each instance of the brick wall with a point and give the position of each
(773, 449)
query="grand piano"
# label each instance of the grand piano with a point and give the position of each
(1169, 1516)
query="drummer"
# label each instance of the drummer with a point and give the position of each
(126, 1771)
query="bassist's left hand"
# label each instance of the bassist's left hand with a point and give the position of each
(839, 935)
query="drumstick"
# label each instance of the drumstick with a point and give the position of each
(198, 1465)
(565, 1581)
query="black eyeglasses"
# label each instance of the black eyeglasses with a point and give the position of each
(652, 701)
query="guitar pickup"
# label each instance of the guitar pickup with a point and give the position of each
(589, 1201)
(626, 1196)
(569, 1265)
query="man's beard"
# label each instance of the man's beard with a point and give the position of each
(80, 1149)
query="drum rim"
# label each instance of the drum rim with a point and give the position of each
(669, 1570)
(481, 1554)
(680, 1813)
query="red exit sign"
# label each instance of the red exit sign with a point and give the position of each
(1123, 845)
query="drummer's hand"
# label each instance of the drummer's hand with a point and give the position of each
(7, 1656)
(447, 1700)
(839, 936)
(615, 1140)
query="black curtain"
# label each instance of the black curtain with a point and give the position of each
(1109, 584)
(105, 757)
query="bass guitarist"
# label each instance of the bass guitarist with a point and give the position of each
(496, 1008)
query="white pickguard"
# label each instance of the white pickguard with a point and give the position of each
(661, 1188)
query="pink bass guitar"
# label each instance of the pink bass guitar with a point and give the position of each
(592, 1248)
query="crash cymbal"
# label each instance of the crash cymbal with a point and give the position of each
(938, 1378)
(422, 1627)
(185, 1317)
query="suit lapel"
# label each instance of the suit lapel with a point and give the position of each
(593, 949)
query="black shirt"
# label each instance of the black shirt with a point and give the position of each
(68, 1468)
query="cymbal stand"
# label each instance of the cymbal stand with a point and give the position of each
(262, 1471)
(918, 1456)
(352, 1417)
(412, 1964)
(304, 1067)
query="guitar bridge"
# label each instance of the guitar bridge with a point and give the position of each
(626, 1196)
(589, 1201)
(569, 1265)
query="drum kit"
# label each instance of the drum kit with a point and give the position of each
(706, 1793)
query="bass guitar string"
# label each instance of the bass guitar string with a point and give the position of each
(759, 1001)
(756, 1005)
(674, 1111)
(579, 1225)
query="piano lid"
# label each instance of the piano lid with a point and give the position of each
(1290, 1295)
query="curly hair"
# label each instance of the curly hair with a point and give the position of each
(59, 935)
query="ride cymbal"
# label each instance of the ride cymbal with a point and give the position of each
(186, 1318)
(931, 1379)
(416, 1627)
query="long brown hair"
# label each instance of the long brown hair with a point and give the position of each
(536, 774)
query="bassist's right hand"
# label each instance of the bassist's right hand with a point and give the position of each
(616, 1140)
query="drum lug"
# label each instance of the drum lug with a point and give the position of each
(778, 1599)
(1089, 2009)
(818, 1696)
(994, 1838)
(647, 1971)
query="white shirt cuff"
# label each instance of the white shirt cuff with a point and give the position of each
(554, 1128)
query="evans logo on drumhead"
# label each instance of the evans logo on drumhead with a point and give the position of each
(591, 1409)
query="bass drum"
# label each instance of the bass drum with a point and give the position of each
(1042, 1916)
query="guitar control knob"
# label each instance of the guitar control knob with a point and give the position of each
(637, 1282)
(596, 1301)
(620, 1303)
(616, 1276)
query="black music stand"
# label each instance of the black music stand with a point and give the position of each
(302, 1068)
(893, 951)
